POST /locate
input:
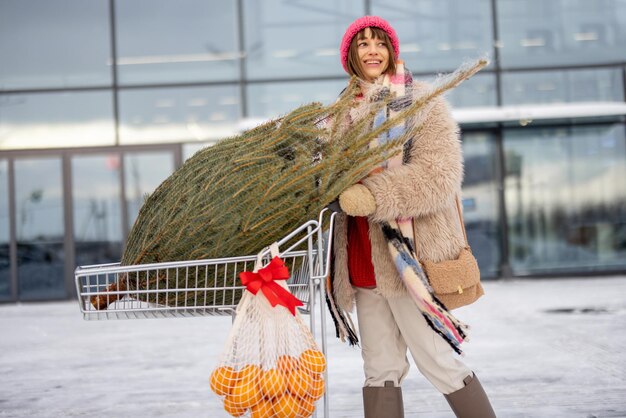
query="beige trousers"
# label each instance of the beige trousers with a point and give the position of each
(388, 327)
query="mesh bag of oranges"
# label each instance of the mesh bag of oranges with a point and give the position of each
(271, 365)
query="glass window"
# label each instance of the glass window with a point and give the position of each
(599, 85)
(190, 149)
(561, 32)
(143, 172)
(176, 41)
(61, 43)
(178, 114)
(478, 91)
(97, 209)
(40, 228)
(481, 200)
(5, 267)
(564, 195)
(296, 39)
(438, 35)
(270, 100)
(51, 120)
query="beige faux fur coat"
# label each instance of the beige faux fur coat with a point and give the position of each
(424, 189)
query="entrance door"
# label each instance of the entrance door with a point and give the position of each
(39, 228)
(5, 237)
(97, 208)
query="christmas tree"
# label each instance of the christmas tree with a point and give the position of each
(247, 191)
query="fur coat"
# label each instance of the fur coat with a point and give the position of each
(425, 189)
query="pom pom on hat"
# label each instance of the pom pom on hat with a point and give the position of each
(362, 23)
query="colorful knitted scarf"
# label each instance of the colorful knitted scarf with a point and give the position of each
(399, 234)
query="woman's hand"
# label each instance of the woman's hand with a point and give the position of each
(357, 200)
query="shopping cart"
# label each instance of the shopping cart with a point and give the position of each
(307, 255)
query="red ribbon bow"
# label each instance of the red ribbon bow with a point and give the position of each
(264, 280)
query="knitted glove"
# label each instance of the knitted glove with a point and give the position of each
(357, 200)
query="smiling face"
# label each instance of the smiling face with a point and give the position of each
(373, 55)
(370, 53)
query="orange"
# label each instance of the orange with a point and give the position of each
(231, 408)
(313, 360)
(299, 382)
(249, 372)
(286, 406)
(317, 387)
(262, 410)
(287, 363)
(223, 379)
(272, 383)
(245, 393)
(307, 407)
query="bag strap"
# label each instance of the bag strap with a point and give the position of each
(274, 250)
(458, 208)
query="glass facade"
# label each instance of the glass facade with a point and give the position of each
(178, 114)
(60, 43)
(545, 87)
(272, 50)
(5, 236)
(56, 119)
(97, 208)
(481, 200)
(39, 228)
(565, 198)
(102, 100)
(537, 33)
(438, 35)
(144, 172)
(161, 41)
(478, 91)
(269, 100)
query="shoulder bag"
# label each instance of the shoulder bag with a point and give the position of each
(456, 282)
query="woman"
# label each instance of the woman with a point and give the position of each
(423, 186)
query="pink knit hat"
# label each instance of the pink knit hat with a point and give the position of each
(362, 23)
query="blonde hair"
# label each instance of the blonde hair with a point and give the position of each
(354, 63)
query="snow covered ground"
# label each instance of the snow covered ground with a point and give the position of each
(542, 348)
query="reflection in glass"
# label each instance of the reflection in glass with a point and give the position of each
(480, 200)
(269, 100)
(176, 41)
(51, 120)
(566, 198)
(296, 39)
(143, 172)
(97, 211)
(561, 32)
(438, 35)
(178, 114)
(478, 91)
(39, 227)
(598, 85)
(61, 43)
(5, 270)
(190, 149)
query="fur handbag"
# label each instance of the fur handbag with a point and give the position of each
(456, 283)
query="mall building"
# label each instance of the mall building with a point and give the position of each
(100, 100)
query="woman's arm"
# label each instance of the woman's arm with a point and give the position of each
(432, 177)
